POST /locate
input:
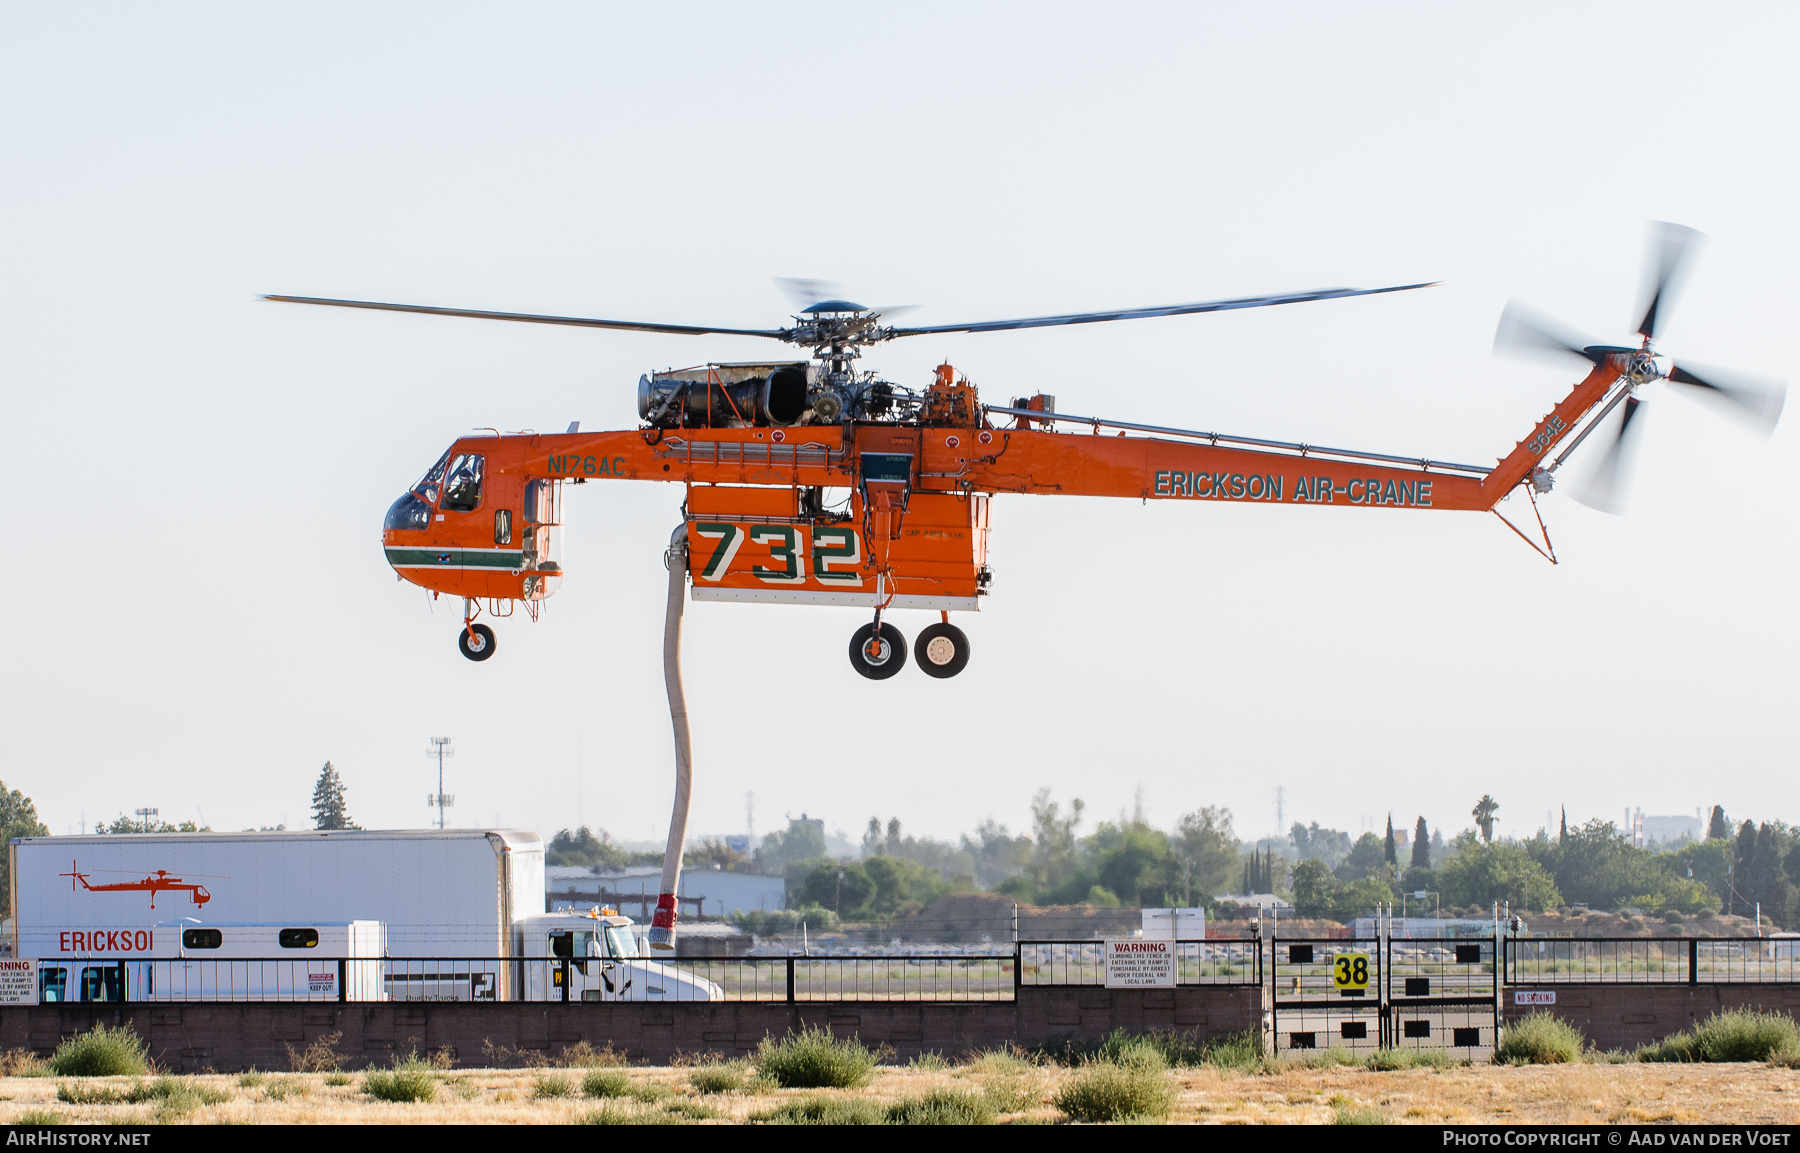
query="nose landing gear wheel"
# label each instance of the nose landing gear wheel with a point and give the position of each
(942, 650)
(478, 647)
(877, 657)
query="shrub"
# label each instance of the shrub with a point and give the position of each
(930, 1062)
(319, 1057)
(608, 1115)
(1539, 1039)
(1113, 1091)
(39, 1117)
(942, 1107)
(721, 1077)
(1235, 1050)
(582, 1055)
(553, 1086)
(606, 1083)
(1388, 1060)
(101, 1052)
(1011, 1081)
(250, 1080)
(814, 1059)
(23, 1063)
(175, 1097)
(75, 1093)
(824, 1111)
(1358, 1115)
(1731, 1035)
(282, 1088)
(693, 1110)
(411, 1079)
(338, 1077)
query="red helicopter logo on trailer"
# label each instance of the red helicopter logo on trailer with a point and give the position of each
(157, 882)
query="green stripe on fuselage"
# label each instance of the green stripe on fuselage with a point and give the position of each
(455, 558)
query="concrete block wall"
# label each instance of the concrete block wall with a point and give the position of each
(1625, 1016)
(231, 1037)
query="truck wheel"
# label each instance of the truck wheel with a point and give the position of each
(942, 650)
(877, 658)
(478, 647)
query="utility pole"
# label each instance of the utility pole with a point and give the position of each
(1280, 811)
(440, 748)
(750, 817)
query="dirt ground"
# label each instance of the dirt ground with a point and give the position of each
(1565, 1094)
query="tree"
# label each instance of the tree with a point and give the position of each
(329, 810)
(1390, 852)
(1053, 850)
(1315, 844)
(1562, 833)
(1741, 900)
(18, 818)
(1207, 847)
(580, 848)
(1314, 889)
(1366, 859)
(1720, 828)
(1483, 812)
(1421, 847)
(1482, 872)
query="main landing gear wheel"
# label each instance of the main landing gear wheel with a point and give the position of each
(877, 657)
(942, 650)
(479, 646)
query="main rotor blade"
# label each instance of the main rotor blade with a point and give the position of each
(1605, 489)
(533, 318)
(1522, 330)
(1760, 401)
(1166, 310)
(1671, 247)
(803, 291)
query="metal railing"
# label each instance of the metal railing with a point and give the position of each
(1652, 961)
(1210, 962)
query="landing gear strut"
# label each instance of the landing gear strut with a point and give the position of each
(877, 650)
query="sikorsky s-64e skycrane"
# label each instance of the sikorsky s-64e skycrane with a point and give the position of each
(811, 482)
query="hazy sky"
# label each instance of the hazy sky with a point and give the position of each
(201, 613)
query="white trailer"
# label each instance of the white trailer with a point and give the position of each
(193, 961)
(462, 910)
(441, 893)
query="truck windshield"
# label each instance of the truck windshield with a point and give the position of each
(620, 942)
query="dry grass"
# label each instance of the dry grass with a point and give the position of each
(1017, 1088)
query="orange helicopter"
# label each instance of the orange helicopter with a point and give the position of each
(808, 482)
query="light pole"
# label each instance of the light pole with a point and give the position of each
(143, 816)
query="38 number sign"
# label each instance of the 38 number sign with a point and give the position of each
(1350, 971)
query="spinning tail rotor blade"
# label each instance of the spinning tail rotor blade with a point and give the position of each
(1605, 489)
(1524, 331)
(1671, 248)
(1758, 401)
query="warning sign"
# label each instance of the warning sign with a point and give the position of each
(322, 982)
(18, 981)
(1134, 963)
(1535, 997)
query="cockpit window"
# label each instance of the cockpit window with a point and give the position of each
(433, 480)
(622, 942)
(462, 483)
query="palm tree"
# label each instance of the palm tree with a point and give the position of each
(1483, 812)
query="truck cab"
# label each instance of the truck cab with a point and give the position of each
(595, 956)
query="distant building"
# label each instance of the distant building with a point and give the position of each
(1664, 829)
(1254, 901)
(717, 892)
